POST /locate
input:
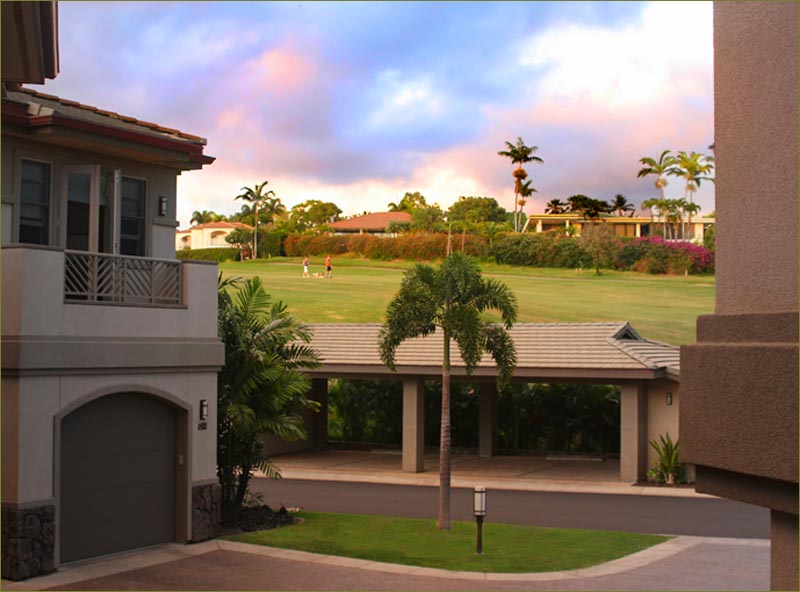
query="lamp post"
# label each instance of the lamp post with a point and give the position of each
(479, 509)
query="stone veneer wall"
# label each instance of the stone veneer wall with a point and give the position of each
(28, 541)
(206, 511)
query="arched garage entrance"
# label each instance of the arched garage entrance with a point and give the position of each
(118, 476)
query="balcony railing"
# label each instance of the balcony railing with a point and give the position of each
(119, 279)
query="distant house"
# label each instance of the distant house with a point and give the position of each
(623, 225)
(110, 345)
(370, 223)
(207, 236)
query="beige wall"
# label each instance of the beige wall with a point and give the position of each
(661, 418)
(161, 181)
(201, 238)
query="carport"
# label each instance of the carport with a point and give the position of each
(647, 373)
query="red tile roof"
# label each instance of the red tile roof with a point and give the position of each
(371, 222)
(110, 115)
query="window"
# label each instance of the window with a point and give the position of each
(34, 197)
(132, 218)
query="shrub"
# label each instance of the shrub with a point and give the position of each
(219, 254)
(270, 244)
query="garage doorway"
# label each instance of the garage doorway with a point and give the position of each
(118, 476)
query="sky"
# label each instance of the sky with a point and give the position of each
(357, 103)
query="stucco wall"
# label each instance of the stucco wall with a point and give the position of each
(161, 181)
(755, 86)
(29, 478)
(661, 418)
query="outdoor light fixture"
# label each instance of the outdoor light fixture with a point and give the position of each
(203, 409)
(162, 206)
(479, 509)
(669, 398)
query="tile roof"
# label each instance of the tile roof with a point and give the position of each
(375, 222)
(558, 347)
(100, 116)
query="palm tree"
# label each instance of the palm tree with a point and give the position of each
(525, 190)
(556, 206)
(658, 167)
(621, 205)
(655, 203)
(273, 208)
(256, 196)
(694, 167)
(451, 298)
(205, 216)
(519, 154)
(262, 386)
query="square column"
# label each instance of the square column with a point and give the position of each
(487, 433)
(413, 425)
(318, 432)
(633, 432)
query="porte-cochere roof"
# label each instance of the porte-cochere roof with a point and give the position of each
(590, 351)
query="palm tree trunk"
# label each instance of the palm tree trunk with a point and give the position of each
(255, 231)
(444, 442)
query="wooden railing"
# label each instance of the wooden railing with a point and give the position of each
(119, 279)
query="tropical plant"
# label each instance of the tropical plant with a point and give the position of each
(256, 196)
(668, 467)
(589, 208)
(525, 191)
(622, 206)
(476, 209)
(261, 388)
(452, 299)
(519, 154)
(694, 168)
(659, 168)
(556, 206)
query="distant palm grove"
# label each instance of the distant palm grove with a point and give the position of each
(479, 226)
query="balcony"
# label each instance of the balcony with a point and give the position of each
(118, 279)
(79, 310)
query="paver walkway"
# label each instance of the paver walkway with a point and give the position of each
(685, 563)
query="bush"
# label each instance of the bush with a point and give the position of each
(270, 244)
(219, 254)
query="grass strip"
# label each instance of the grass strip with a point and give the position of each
(507, 548)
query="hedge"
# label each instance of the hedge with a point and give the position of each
(644, 254)
(219, 254)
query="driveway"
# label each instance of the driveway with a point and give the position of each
(685, 563)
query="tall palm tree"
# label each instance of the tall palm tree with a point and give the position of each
(659, 168)
(655, 203)
(273, 207)
(262, 386)
(256, 196)
(451, 298)
(519, 154)
(621, 205)
(525, 191)
(556, 206)
(694, 168)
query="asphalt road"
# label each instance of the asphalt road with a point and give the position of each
(633, 513)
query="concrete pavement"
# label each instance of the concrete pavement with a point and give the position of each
(684, 563)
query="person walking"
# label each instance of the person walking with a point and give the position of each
(328, 267)
(305, 267)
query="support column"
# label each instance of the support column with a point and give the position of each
(319, 430)
(487, 434)
(638, 232)
(413, 425)
(633, 432)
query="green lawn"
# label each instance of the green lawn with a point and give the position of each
(506, 547)
(664, 308)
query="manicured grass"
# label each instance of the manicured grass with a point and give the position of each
(664, 308)
(506, 547)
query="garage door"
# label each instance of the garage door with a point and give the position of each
(118, 470)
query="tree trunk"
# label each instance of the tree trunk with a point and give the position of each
(255, 230)
(444, 441)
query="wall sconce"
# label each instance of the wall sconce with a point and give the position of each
(479, 509)
(162, 206)
(203, 409)
(669, 398)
